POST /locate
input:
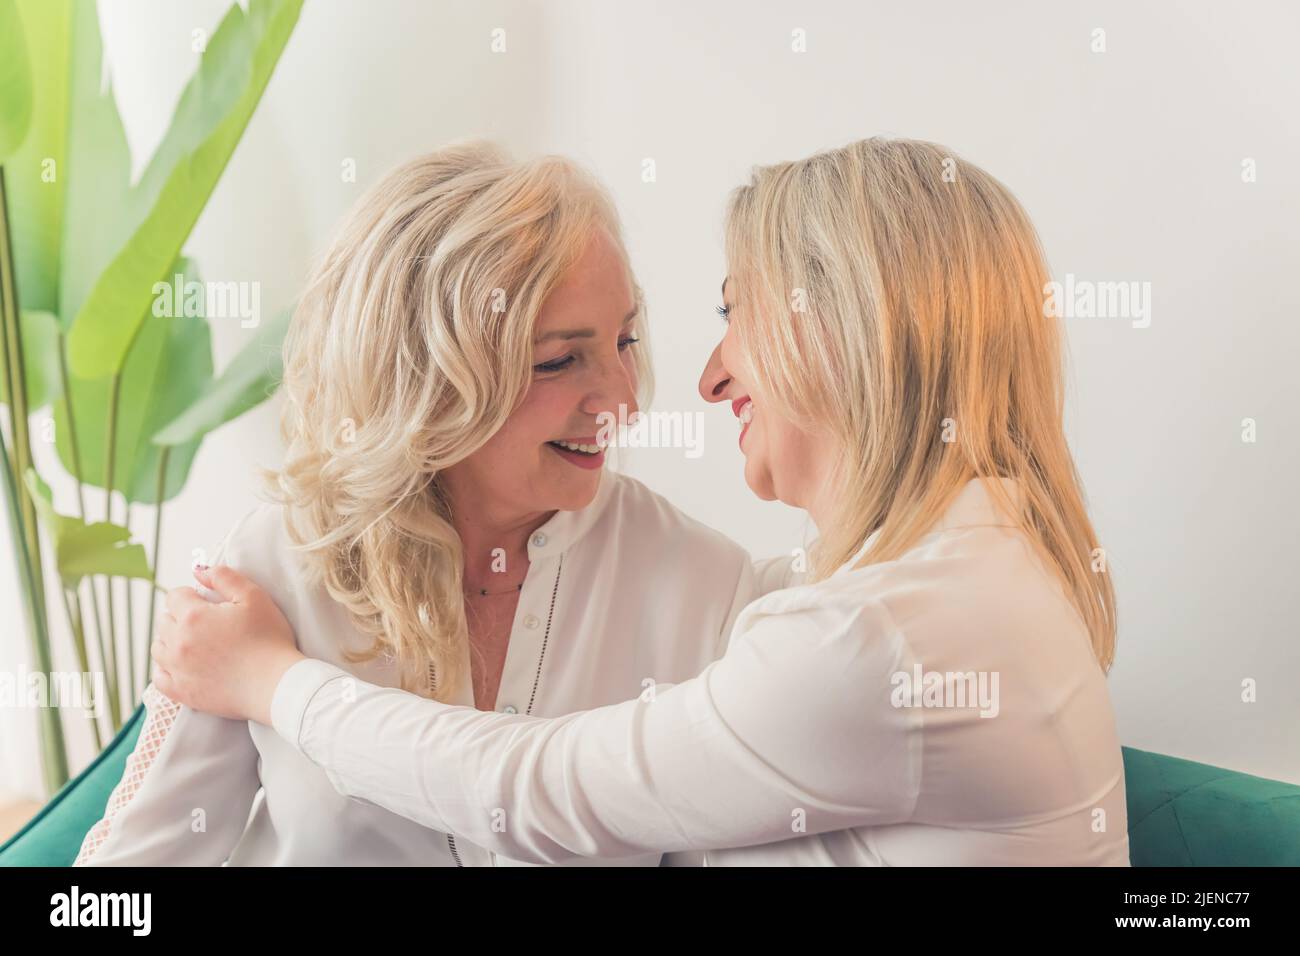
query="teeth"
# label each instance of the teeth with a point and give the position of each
(746, 414)
(585, 449)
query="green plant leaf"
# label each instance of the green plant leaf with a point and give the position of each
(73, 168)
(96, 173)
(168, 367)
(102, 548)
(40, 332)
(82, 549)
(247, 381)
(15, 81)
(209, 120)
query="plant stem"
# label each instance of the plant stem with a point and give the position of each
(110, 461)
(110, 443)
(22, 511)
(16, 380)
(54, 759)
(157, 543)
(81, 619)
(130, 631)
(65, 381)
(79, 639)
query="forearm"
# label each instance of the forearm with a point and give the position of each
(532, 789)
(758, 747)
(640, 776)
(184, 795)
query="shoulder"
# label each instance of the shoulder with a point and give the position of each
(259, 530)
(823, 612)
(987, 583)
(979, 594)
(258, 545)
(658, 526)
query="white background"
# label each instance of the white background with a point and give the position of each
(1129, 161)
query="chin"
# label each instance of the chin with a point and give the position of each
(760, 483)
(576, 495)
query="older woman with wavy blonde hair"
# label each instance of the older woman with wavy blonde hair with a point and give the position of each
(934, 694)
(443, 521)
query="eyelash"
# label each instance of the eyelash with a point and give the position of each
(724, 311)
(560, 364)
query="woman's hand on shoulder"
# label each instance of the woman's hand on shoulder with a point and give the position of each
(223, 657)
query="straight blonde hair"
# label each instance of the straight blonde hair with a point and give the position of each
(411, 346)
(891, 294)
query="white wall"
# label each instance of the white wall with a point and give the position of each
(1129, 161)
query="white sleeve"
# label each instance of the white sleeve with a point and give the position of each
(773, 574)
(187, 789)
(185, 795)
(746, 592)
(791, 732)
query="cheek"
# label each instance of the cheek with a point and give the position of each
(795, 462)
(517, 442)
(545, 409)
(779, 457)
(757, 450)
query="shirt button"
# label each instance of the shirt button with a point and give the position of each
(531, 621)
(539, 540)
(509, 709)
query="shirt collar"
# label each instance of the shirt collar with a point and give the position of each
(972, 507)
(565, 528)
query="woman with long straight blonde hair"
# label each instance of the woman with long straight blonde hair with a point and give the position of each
(934, 693)
(443, 522)
(920, 299)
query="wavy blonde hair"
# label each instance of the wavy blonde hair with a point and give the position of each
(410, 347)
(886, 288)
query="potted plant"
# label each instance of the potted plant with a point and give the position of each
(97, 357)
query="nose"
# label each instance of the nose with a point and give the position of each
(716, 380)
(616, 386)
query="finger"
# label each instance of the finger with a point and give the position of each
(226, 581)
(203, 574)
(164, 627)
(180, 599)
(164, 684)
(158, 651)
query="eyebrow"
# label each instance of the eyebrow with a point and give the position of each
(585, 333)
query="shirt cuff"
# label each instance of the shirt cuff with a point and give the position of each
(297, 686)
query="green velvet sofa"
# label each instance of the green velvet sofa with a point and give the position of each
(1180, 813)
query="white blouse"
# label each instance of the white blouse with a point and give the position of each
(837, 729)
(623, 597)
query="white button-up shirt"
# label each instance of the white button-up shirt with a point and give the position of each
(941, 708)
(626, 595)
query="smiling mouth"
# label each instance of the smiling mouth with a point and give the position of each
(581, 452)
(581, 447)
(743, 408)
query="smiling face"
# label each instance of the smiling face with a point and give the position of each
(783, 461)
(543, 458)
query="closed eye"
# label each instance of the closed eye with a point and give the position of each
(555, 365)
(564, 361)
(724, 311)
